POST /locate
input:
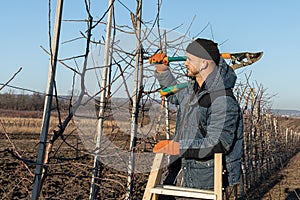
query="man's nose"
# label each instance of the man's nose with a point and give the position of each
(186, 63)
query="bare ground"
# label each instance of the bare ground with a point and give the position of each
(69, 173)
(281, 185)
(288, 185)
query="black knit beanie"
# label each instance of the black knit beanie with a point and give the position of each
(205, 49)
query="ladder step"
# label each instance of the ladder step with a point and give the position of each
(183, 192)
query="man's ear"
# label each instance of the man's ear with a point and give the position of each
(203, 65)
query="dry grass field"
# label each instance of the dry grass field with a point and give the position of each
(70, 166)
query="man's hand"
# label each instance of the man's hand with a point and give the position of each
(167, 146)
(161, 62)
(158, 58)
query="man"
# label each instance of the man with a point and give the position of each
(209, 119)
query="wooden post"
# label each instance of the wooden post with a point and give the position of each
(155, 175)
(218, 170)
(37, 185)
(93, 192)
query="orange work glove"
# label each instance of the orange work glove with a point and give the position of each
(167, 146)
(158, 58)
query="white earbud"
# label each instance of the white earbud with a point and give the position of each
(203, 67)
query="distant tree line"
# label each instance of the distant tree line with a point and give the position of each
(26, 102)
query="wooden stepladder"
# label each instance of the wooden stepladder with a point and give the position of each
(153, 189)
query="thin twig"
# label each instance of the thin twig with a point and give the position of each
(13, 146)
(5, 84)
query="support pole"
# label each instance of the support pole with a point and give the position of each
(37, 185)
(97, 163)
(135, 100)
(166, 102)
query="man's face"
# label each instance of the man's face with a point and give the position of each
(193, 65)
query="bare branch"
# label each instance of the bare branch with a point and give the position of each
(14, 147)
(5, 84)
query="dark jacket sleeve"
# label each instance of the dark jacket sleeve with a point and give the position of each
(221, 129)
(166, 79)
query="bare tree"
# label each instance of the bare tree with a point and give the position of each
(97, 159)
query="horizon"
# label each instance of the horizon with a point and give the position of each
(65, 97)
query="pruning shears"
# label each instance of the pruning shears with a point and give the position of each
(238, 60)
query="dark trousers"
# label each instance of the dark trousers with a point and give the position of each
(173, 170)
